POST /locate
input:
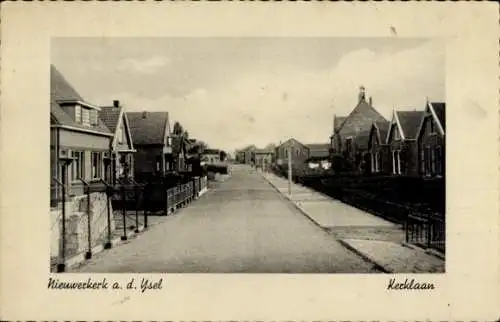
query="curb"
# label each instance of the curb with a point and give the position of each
(428, 251)
(342, 242)
(117, 241)
(366, 258)
(284, 196)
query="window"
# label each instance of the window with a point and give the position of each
(422, 161)
(427, 160)
(348, 146)
(297, 151)
(286, 152)
(439, 161)
(96, 161)
(431, 126)
(93, 117)
(433, 161)
(396, 134)
(77, 165)
(373, 166)
(377, 161)
(78, 114)
(121, 135)
(396, 162)
(85, 116)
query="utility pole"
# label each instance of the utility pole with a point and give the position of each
(289, 170)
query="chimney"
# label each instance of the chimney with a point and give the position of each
(361, 93)
(116, 103)
(144, 114)
(370, 101)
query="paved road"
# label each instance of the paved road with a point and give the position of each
(242, 225)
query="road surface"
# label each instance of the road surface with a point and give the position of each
(241, 225)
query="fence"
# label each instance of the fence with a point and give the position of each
(105, 212)
(427, 230)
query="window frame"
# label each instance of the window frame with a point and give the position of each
(78, 162)
(96, 172)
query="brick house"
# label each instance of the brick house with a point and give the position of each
(401, 139)
(380, 161)
(122, 147)
(264, 157)
(300, 152)
(211, 156)
(153, 143)
(350, 133)
(79, 145)
(77, 133)
(431, 140)
(246, 155)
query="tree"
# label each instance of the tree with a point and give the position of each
(178, 129)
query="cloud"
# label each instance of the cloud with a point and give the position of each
(144, 66)
(263, 106)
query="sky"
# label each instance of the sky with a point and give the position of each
(233, 92)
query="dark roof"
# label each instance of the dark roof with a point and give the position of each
(361, 140)
(318, 149)
(363, 107)
(109, 115)
(211, 151)
(440, 109)
(383, 129)
(60, 89)
(265, 150)
(148, 127)
(338, 121)
(410, 122)
(248, 148)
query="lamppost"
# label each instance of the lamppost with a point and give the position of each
(64, 161)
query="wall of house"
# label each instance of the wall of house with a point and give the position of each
(83, 140)
(299, 151)
(427, 139)
(145, 159)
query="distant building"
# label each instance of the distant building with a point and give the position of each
(153, 143)
(299, 152)
(211, 156)
(122, 147)
(350, 133)
(264, 157)
(246, 154)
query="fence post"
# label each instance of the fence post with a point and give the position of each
(61, 267)
(124, 213)
(143, 188)
(108, 208)
(429, 237)
(88, 254)
(136, 209)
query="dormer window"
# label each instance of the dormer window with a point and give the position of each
(93, 117)
(85, 116)
(78, 114)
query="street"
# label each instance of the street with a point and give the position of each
(241, 225)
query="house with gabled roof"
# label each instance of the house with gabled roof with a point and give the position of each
(380, 162)
(246, 155)
(79, 140)
(350, 133)
(122, 146)
(401, 139)
(153, 143)
(264, 157)
(431, 140)
(299, 152)
(318, 151)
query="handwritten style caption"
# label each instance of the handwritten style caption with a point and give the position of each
(139, 284)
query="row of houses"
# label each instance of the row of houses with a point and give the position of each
(278, 154)
(412, 143)
(91, 143)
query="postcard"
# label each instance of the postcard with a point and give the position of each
(249, 161)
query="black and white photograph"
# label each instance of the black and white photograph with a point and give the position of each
(249, 161)
(247, 155)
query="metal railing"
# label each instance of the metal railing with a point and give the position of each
(127, 199)
(427, 230)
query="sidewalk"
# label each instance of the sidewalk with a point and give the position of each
(373, 238)
(74, 260)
